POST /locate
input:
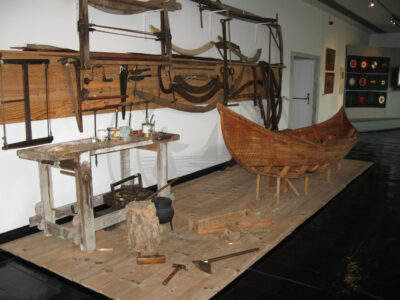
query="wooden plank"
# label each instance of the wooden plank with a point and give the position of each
(241, 223)
(109, 219)
(193, 221)
(116, 274)
(68, 234)
(59, 90)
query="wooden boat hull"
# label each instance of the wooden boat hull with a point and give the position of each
(291, 153)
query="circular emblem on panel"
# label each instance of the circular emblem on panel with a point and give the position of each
(383, 82)
(364, 64)
(362, 81)
(352, 81)
(374, 65)
(381, 99)
(353, 63)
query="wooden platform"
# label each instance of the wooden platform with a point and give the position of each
(116, 274)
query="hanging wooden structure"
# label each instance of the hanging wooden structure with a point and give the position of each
(84, 82)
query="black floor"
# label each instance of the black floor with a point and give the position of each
(349, 250)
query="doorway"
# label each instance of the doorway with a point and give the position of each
(304, 90)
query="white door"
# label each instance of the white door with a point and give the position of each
(302, 106)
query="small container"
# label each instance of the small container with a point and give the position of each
(102, 134)
(125, 133)
(112, 133)
(147, 129)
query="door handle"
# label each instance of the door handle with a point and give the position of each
(303, 98)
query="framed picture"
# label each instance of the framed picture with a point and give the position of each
(329, 82)
(330, 59)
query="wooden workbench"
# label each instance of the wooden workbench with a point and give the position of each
(74, 159)
(115, 273)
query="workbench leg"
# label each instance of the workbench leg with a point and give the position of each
(162, 169)
(46, 192)
(125, 161)
(83, 180)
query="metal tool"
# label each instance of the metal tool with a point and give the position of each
(123, 81)
(177, 268)
(205, 265)
(88, 80)
(29, 141)
(95, 135)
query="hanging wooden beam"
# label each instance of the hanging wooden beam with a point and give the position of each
(83, 29)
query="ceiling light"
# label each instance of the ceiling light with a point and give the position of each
(392, 21)
(371, 4)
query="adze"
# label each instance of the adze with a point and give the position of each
(205, 265)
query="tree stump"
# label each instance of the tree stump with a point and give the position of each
(143, 226)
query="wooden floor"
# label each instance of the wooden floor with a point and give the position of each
(116, 274)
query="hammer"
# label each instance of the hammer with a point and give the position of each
(177, 268)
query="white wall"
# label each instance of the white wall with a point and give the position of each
(391, 40)
(305, 30)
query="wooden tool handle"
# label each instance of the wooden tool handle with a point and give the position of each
(165, 282)
(150, 259)
(232, 255)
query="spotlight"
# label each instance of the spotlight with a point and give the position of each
(371, 4)
(392, 21)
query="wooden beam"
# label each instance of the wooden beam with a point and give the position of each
(83, 28)
(109, 219)
(192, 222)
(68, 234)
(241, 223)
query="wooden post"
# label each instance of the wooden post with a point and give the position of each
(83, 181)
(292, 186)
(285, 185)
(328, 174)
(258, 187)
(278, 189)
(306, 183)
(143, 226)
(46, 193)
(339, 165)
(83, 28)
(162, 169)
(125, 162)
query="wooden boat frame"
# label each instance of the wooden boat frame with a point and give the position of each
(291, 153)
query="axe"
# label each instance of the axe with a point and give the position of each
(205, 265)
